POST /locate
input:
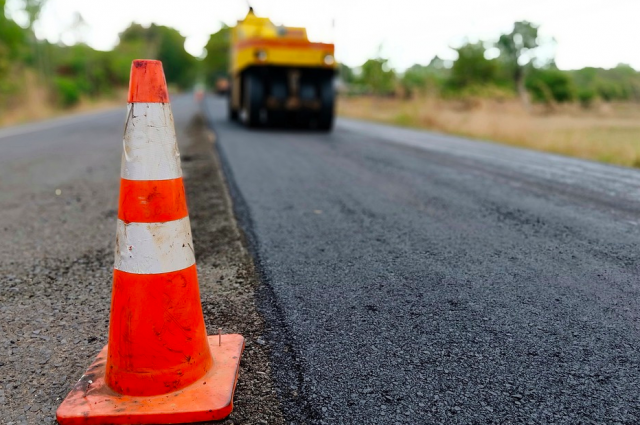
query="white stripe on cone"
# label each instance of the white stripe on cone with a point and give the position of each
(151, 248)
(150, 147)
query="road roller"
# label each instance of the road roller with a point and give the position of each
(280, 78)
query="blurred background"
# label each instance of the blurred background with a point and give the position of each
(554, 76)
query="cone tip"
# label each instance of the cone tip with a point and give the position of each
(147, 82)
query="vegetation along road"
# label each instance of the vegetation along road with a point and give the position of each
(400, 276)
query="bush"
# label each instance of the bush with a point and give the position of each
(612, 90)
(377, 77)
(67, 92)
(547, 85)
(484, 91)
(586, 96)
(472, 68)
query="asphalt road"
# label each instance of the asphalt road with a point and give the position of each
(411, 277)
(407, 277)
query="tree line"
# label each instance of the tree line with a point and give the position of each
(519, 69)
(70, 73)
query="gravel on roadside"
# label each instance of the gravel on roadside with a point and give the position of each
(228, 281)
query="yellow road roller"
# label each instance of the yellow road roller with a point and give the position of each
(278, 77)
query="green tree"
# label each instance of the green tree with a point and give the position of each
(551, 85)
(617, 84)
(33, 9)
(216, 63)
(13, 43)
(161, 43)
(472, 68)
(346, 74)
(517, 49)
(377, 77)
(179, 66)
(415, 79)
(87, 68)
(422, 79)
(12, 37)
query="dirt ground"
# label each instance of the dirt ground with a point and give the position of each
(604, 132)
(54, 300)
(227, 278)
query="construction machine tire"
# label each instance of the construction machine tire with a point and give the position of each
(253, 99)
(327, 105)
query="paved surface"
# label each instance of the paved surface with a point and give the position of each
(59, 185)
(418, 278)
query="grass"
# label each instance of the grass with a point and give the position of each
(605, 132)
(34, 104)
(25, 114)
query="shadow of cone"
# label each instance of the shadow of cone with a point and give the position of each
(159, 366)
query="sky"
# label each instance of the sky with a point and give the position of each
(600, 33)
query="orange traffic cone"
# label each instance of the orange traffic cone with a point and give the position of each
(159, 367)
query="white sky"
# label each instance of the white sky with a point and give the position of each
(598, 33)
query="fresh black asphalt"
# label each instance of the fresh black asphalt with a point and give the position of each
(412, 278)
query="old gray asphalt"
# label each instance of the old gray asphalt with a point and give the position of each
(414, 278)
(59, 184)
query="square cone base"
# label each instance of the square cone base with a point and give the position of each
(92, 402)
